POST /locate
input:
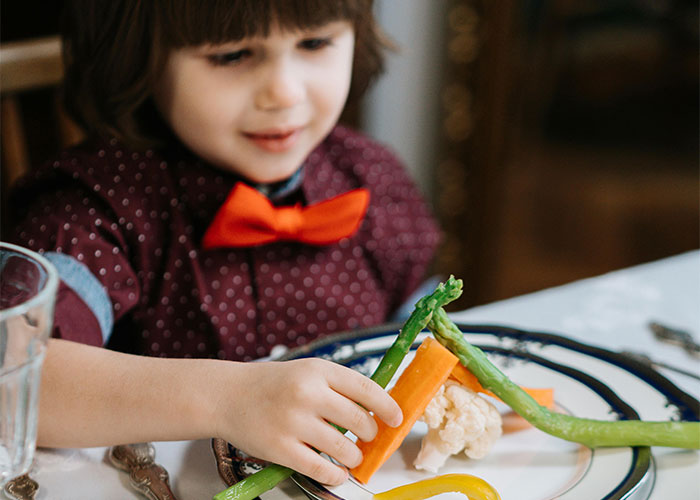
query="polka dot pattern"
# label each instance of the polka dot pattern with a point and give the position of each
(136, 220)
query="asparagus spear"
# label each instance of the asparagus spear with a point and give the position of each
(267, 478)
(592, 433)
(417, 321)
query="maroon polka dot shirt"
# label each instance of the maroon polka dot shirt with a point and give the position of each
(135, 221)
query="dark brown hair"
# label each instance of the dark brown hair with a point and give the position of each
(114, 51)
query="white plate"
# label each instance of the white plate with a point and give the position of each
(529, 464)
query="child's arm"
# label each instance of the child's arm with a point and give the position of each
(92, 396)
(275, 411)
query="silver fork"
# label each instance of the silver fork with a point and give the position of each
(645, 359)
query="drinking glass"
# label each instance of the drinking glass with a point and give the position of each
(28, 284)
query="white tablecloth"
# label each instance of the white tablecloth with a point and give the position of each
(611, 311)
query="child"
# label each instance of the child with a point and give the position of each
(202, 119)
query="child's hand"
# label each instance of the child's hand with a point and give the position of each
(278, 411)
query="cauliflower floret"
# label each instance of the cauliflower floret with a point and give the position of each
(458, 419)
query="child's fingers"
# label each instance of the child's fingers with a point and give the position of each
(366, 392)
(315, 466)
(327, 439)
(348, 414)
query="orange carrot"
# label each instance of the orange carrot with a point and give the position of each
(460, 373)
(414, 389)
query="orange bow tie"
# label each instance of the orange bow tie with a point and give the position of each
(248, 218)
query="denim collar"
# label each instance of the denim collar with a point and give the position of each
(278, 190)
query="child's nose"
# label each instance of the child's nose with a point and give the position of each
(282, 87)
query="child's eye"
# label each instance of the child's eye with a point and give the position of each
(228, 58)
(315, 43)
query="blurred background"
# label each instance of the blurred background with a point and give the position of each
(555, 139)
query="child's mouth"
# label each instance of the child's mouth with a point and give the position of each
(274, 141)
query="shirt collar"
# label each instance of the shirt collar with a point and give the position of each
(280, 190)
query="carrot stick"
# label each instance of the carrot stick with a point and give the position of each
(414, 389)
(460, 373)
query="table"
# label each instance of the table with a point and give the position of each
(610, 311)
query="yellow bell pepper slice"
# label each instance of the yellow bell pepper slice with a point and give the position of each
(475, 488)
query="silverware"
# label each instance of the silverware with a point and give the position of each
(147, 477)
(645, 359)
(311, 488)
(675, 336)
(22, 488)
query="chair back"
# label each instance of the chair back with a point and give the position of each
(25, 66)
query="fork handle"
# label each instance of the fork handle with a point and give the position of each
(22, 487)
(147, 477)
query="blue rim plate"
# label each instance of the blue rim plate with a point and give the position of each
(527, 464)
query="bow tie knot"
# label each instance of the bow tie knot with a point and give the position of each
(248, 218)
(289, 222)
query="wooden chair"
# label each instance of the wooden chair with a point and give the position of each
(25, 66)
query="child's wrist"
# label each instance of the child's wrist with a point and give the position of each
(217, 385)
(196, 397)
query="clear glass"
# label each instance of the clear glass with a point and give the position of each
(28, 284)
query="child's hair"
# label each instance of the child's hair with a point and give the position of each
(115, 50)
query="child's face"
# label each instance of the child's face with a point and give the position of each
(258, 107)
